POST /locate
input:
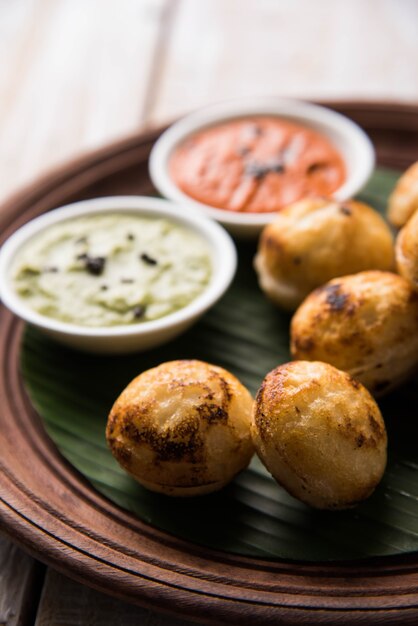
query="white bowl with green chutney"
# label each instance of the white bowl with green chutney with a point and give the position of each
(116, 274)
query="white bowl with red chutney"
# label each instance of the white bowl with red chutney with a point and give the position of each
(241, 162)
(116, 274)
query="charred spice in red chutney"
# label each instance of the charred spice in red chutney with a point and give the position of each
(256, 165)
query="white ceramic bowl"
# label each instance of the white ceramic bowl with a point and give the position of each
(126, 338)
(348, 138)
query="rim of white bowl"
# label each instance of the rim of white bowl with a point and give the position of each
(319, 117)
(223, 257)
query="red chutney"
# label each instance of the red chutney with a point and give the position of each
(256, 165)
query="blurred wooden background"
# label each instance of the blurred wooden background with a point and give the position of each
(77, 74)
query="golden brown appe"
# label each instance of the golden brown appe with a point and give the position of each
(403, 201)
(365, 324)
(317, 239)
(182, 428)
(320, 434)
(407, 251)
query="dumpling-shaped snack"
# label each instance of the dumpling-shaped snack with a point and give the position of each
(407, 251)
(365, 324)
(315, 240)
(320, 434)
(403, 201)
(182, 428)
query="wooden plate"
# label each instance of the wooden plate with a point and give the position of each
(50, 510)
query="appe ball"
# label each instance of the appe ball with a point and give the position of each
(403, 201)
(320, 434)
(365, 324)
(314, 240)
(182, 428)
(407, 251)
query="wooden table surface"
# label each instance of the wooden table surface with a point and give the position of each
(77, 74)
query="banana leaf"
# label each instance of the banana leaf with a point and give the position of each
(253, 516)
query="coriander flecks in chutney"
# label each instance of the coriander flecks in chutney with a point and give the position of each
(111, 280)
(256, 164)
